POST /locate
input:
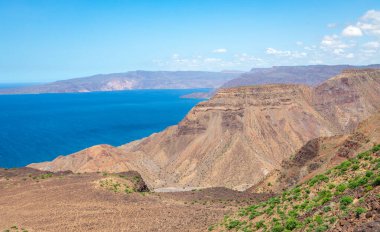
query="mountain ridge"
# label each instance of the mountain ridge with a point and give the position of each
(220, 140)
(131, 80)
(308, 74)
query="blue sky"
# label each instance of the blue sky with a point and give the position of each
(43, 40)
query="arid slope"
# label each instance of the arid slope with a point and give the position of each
(242, 134)
(38, 201)
(320, 154)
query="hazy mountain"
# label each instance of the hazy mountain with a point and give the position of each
(131, 80)
(309, 75)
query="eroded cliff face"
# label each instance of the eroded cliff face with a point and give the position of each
(348, 98)
(241, 135)
(321, 154)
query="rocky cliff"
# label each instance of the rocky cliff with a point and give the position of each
(242, 134)
(320, 154)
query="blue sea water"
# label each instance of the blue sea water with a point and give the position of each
(35, 128)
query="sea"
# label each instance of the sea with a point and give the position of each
(40, 127)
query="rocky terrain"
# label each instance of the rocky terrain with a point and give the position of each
(309, 75)
(33, 200)
(320, 154)
(131, 80)
(239, 136)
(343, 198)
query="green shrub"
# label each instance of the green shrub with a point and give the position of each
(326, 209)
(291, 223)
(341, 187)
(293, 213)
(369, 173)
(259, 224)
(321, 228)
(277, 228)
(317, 179)
(376, 182)
(376, 148)
(357, 182)
(345, 201)
(355, 167)
(332, 220)
(331, 186)
(364, 154)
(359, 211)
(318, 219)
(344, 165)
(233, 224)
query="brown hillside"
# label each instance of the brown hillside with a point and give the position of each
(320, 154)
(241, 135)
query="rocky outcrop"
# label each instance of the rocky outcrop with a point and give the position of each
(320, 154)
(241, 135)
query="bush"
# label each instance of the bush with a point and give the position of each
(344, 165)
(293, 213)
(291, 223)
(233, 224)
(277, 228)
(369, 173)
(345, 201)
(359, 211)
(376, 182)
(331, 186)
(317, 179)
(355, 167)
(321, 228)
(357, 182)
(340, 188)
(364, 154)
(259, 224)
(376, 148)
(326, 209)
(318, 219)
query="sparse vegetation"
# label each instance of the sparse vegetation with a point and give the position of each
(317, 204)
(15, 228)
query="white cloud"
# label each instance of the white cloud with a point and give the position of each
(350, 55)
(220, 50)
(352, 31)
(333, 42)
(332, 25)
(358, 43)
(293, 54)
(212, 60)
(370, 22)
(372, 44)
(372, 15)
(242, 61)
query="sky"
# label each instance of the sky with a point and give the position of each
(44, 40)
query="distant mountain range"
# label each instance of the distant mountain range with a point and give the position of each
(131, 80)
(309, 75)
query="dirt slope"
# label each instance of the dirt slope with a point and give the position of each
(41, 201)
(241, 135)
